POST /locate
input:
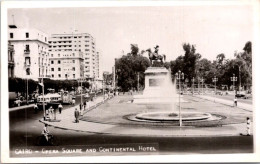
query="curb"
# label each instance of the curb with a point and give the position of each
(224, 103)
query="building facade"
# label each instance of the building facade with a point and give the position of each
(31, 58)
(10, 60)
(66, 65)
(77, 42)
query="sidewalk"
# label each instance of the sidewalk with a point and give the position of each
(67, 121)
(241, 105)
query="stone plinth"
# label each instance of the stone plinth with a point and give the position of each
(158, 87)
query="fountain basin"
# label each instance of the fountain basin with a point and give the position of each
(170, 116)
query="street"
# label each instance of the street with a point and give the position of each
(25, 127)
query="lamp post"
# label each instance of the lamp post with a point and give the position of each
(234, 79)
(202, 80)
(137, 81)
(193, 85)
(81, 80)
(239, 76)
(215, 80)
(198, 85)
(180, 76)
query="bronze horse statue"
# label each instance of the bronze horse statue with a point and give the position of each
(155, 56)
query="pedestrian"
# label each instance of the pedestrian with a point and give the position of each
(35, 107)
(60, 108)
(235, 101)
(81, 109)
(51, 111)
(248, 126)
(80, 106)
(87, 105)
(84, 105)
(76, 114)
(73, 101)
(47, 114)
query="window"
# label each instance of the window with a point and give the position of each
(45, 39)
(27, 61)
(59, 75)
(27, 35)
(51, 55)
(28, 71)
(11, 35)
(58, 61)
(74, 76)
(73, 68)
(66, 76)
(52, 75)
(73, 61)
(58, 55)
(52, 69)
(52, 62)
(58, 69)
(27, 47)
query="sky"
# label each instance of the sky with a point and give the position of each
(213, 29)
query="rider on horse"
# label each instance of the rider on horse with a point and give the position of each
(156, 49)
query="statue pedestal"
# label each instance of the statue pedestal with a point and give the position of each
(158, 87)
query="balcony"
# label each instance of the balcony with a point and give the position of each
(26, 51)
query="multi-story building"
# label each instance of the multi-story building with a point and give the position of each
(31, 56)
(66, 65)
(77, 42)
(10, 60)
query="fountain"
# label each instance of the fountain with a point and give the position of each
(159, 89)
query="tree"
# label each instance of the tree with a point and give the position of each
(190, 60)
(128, 67)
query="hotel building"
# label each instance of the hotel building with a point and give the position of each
(69, 44)
(31, 58)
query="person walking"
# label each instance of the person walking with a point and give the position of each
(235, 101)
(35, 107)
(76, 114)
(47, 114)
(84, 105)
(51, 110)
(87, 105)
(73, 102)
(60, 108)
(248, 126)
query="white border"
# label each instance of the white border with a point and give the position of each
(165, 158)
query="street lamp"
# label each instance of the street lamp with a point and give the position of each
(202, 80)
(180, 76)
(234, 79)
(198, 85)
(239, 76)
(215, 80)
(193, 85)
(81, 80)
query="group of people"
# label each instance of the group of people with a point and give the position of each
(49, 113)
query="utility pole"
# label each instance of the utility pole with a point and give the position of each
(215, 80)
(234, 79)
(193, 85)
(180, 76)
(202, 80)
(137, 81)
(198, 85)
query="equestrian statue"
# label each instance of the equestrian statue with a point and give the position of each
(154, 55)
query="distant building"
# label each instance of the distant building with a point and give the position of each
(66, 65)
(10, 60)
(77, 42)
(31, 58)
